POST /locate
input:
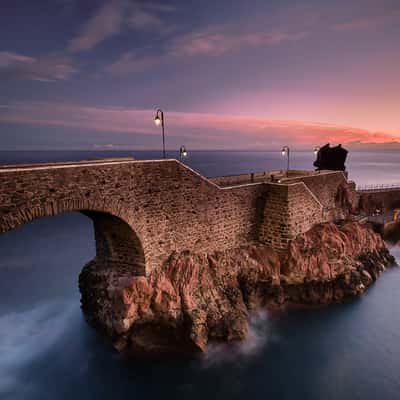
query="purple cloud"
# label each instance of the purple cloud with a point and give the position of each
(104, 24)
(130, 62)
(370, 21)
(47, 68)
(210, 42)
(113, 17)
(217, 42)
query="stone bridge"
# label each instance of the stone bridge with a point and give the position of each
(384, 198)
(143, 211)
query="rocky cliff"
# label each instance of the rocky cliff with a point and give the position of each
(198, 298)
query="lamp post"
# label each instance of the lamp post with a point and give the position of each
(159, 119)
(286, 152)
(182, 153)
(316, 150)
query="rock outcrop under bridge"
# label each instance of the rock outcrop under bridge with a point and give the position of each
(195, 299)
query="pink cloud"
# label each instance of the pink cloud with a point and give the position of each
(206, 130)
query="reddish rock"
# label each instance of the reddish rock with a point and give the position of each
(197, 298)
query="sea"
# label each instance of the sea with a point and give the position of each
(48, 352)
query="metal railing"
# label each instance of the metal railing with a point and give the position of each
(378, 188)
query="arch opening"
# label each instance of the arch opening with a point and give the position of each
(117, 245)
(116, 241)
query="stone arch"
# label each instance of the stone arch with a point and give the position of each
(118, 243)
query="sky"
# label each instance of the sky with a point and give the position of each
(248, 74)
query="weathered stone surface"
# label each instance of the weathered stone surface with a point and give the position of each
(167, 206)
(197, 298)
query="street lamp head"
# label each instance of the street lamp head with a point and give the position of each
(183, 152)
(285, 150)
(159, 120)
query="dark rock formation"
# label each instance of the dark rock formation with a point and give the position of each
(331, 158)
(198, 298)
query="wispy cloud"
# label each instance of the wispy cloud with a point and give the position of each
(159, 7)
(46, 68)
(113, 17)
(209, 42)
(369, 21)
(206, 130)
(8, 58)
(130, 62)
(148, 19)
(105, 23)
(217, 42)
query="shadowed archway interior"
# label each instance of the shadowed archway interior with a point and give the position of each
(117, 245)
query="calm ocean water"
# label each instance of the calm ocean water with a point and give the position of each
(363, 167)
(348, 351)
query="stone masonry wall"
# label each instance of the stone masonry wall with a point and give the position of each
(145, 210)
(304, 209)
(324, 185)
(289, 210)
(384, 200)
(168, 206)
